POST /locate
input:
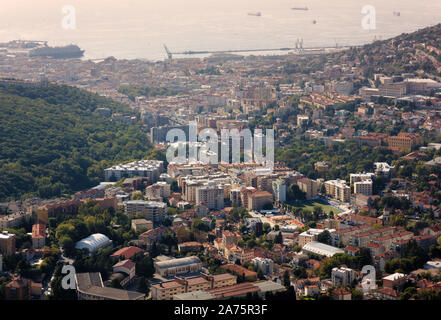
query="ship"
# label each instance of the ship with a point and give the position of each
(256, 14)
(66, 52)
(300, 8)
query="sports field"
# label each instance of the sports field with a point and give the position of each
(309, 205)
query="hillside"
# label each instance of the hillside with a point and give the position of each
(52, 142)
(418, 52)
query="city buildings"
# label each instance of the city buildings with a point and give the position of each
(38, 235)
(264, 265)
(177, 288)
(89, 286)
(210, 195)
(309, 186)
(338, 189)
(364, 187)
(180, 266)
(279, 190)
(7, 243)
(342, 276)
(141, 224)
(259, 199)
(144, 168)
(404, 141)
(151, 210)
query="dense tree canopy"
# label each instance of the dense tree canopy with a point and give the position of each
(52, 142)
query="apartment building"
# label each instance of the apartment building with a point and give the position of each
(211, 196)
(387, 240)
(362, 239)
(7, 243)
(279, 190)
(265, 265)
(159, 190)
(310, 187)
(359, 177)
(343, 235)
(338, 189)
(38, 235)
(242, 255)
(257, 200)
(143, 168)
(150, 210)
(342, 276)
(364, 187)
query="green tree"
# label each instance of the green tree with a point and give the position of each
(142, 286)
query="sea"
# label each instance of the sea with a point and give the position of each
(129, 29)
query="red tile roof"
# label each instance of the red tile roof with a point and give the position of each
(127, 252)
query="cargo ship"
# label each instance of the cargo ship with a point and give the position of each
(300, 8)
(256, 14)
(66, 52)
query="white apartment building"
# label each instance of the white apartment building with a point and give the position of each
(143, 168)
(364, 187)
(210, 195)
(384, 168)
(159, 190)
(279, 190)
(342, 276)
(265, 265)
(357, 177)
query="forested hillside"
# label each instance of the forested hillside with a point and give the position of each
(52, 142)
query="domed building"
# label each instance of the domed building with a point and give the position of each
(94, 242)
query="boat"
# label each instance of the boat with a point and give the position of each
(66, 52)
(256, 14)
(300, 8)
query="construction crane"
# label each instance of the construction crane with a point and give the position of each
(169, 54)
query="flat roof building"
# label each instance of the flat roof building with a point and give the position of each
(173, 267)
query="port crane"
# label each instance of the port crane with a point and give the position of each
(169, 54)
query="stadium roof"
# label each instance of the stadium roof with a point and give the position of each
(93, 242)
(321, 249)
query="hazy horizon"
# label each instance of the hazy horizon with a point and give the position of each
(137, 28)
